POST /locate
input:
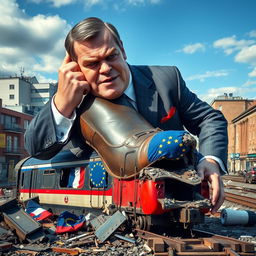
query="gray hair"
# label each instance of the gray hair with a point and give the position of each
(88, 29)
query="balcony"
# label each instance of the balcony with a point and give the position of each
(13, 151)
(13, 128)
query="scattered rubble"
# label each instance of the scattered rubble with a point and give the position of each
(21, 235)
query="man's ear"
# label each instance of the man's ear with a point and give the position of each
(122, 50)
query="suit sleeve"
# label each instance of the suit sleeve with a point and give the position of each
(40, 136)
(202, 120)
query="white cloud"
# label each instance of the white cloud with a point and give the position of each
(247, 55)
(231, 44)
(135, 2)
(192, 48)
(117, 5)
(55, 3)
(252, 33)
(253, 73)
(236, 91)
(245, 49)
(34, 43)
(249, 83)
(208, 74)
(43, 79)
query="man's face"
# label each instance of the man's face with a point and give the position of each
(103, 64)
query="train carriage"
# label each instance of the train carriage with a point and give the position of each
(65, 182)
(157, 196)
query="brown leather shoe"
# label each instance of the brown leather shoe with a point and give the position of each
(119, 134)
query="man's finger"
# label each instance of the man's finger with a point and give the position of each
(66, 59)
(200, 173)
(215, 188)
(220, 199)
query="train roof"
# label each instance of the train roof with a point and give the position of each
(61, 157)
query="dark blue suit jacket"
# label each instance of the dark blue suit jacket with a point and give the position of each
(157, 89)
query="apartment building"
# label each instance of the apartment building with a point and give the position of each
(41, 93)
(25, 94)
(244, 143)
(231, 107)
(12, 127)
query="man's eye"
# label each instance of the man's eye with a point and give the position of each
(91, 64)
(112, 56)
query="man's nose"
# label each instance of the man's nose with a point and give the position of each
(105, 67)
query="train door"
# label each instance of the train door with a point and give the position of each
(33, 182)
(27, 183)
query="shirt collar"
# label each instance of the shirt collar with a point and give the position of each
(129, 92)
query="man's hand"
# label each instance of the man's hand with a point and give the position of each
(71, 87)
(209, 170)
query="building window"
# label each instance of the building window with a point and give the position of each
(39, 90)
(15, 143)
(9, 143)
(41, 100)
(11, 86)
(26, 123)
(1, 119)
(11, 96)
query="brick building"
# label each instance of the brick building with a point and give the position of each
(231, 107)
(12, 128)
(244, 143)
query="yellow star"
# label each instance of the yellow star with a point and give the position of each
(159, 152)
(176, 141)
(170, 137)
(163, 140)
(160, 146)
(181, 144)
(183, 150)
(168, 142)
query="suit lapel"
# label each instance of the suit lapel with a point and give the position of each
(146, 94)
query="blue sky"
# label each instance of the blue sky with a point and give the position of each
(213, 43)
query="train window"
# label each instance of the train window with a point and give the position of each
(64, 175)
(98, 175)
(49, 178)
(72, 177)
(22, 180)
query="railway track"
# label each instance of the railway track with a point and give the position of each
(240, 193)
(202, 244)
(242, 200)
(233, 178)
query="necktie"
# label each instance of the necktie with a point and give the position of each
(126, 101)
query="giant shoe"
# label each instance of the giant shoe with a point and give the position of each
(125, 141)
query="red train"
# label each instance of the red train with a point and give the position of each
(158, 196)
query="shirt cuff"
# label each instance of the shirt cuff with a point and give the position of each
(218, 160)
(63, 124)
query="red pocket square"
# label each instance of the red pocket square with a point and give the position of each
(170, 115)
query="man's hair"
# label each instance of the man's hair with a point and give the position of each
(88, 29)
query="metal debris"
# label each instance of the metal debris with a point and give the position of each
(188, 176)
(108, 228)
(24, 225)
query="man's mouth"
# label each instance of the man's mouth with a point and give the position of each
(109, 80)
